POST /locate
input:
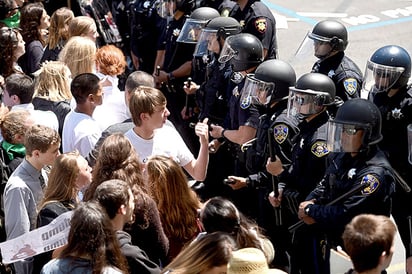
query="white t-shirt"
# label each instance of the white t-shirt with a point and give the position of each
(81, 132)
(113, 110)
(166, 141)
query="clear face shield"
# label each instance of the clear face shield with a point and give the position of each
(311, 46)
(345, 137)
(207, 43)
(380, 78)
(165, 8)
(259, 92)
(303, 103)
(227, 52)
(191, 30)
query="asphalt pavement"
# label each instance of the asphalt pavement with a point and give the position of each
(370, 24)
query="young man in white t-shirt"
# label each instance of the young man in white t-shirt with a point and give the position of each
(149, 136)
(80, 130)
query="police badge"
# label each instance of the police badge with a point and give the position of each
(350, 85)
(261, 25)
(319, 149)
(246, 102)
(280, 133)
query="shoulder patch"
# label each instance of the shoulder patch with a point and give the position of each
(373, 184)
(350, 85)
(319, 149)
(261, 25)
(280, 133)
(246, 102)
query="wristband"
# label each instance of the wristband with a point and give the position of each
(170, 76)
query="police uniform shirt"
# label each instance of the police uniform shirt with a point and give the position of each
(343, 174)
(345, 74)
(396, 115)
(309, 156)
(176, 53)
(147, 31)
(212, 95)
(257, 19)
(242, 113)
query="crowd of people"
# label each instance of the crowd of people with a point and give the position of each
(183, 145)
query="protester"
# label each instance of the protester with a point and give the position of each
(92, 246)
(69, 175)
(24, 189)
(369, 241)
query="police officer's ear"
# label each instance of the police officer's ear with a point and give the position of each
(337, 44)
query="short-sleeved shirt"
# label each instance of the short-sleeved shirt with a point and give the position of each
(166, 141)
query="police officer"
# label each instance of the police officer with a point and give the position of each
(268, 88)
(147, 26)
(212, 93)
(308, 100)
(244, 52)
(190, 34)
(257, 19)
(359, 178)
(212, 97)
(386, 81)
(330, 39)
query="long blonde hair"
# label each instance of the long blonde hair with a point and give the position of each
(52, 82)
(79, 55)
(61, 186)
(59, 25)
(81, 25)
(176, 202)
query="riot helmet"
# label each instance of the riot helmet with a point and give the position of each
(270, 82)
(332, 32)
(389, 67)
(243, 51)
(311, 94)
(216, 30)
(193, 26)
(326, 38)
(356, 126)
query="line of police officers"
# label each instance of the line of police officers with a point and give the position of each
(309, 151)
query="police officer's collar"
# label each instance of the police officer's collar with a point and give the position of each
(330, 62)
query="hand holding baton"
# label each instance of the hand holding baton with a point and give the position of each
(272, 154)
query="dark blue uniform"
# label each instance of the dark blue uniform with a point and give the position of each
(345, 74)
(260, 181)
(147, 28)
(212, 95)
(309, 161)
(396, 115)
(343, 174)
(257, 19)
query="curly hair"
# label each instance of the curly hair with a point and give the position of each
(8, 44)
(110, 60)
(15, 122)
(118, 160)
(30, 20)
